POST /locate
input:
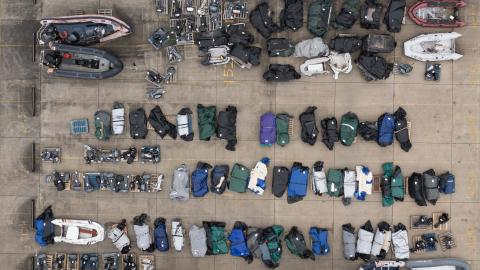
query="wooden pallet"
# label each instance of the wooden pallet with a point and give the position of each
(75, 265)
(105, 11)
(147, 259)
(75, 12)
(291, 122)
(414, 219)
(442, 239)
(443, 227)
(49, 258)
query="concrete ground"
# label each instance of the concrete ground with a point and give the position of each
(445, 118)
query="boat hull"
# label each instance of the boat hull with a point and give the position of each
(432, 47)
(80, 224)
(424, 6)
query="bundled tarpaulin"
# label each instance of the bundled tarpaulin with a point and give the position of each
(349, 248)
(270, 245)
(246, 56)
(198, 241)
(296, 244)
(348, 128)
(207, 40)
(219, 179)
(329, 132)
(44, 228)
(118, 234)
(180, 188)
(381, 241)
(227, 126)
(345, 44)
(311, 48)
(374, 67)
(349, 186)
(102, 125)
(364, 242)
(142, 233)
(281, 73)
(430, 186)
(258, 177)
(309, 127)
(319, 179)
(397, 185)
(177, 234)
(387, 198)
(400, 242)
(368, 130)
(238, 241)
(415, 189)
(394, 15)
(401, 129)
(282, 123)
(298, 183)
(319, 14)
(160, 235)
(279, 47)
(138, 124)
(238, 34)
(365, 182)
(340, 63)
(252, 241)
(446, 183)
(370, 14)
(379, 43)
(118, 118)
(207, 121)
(239, 178)
(335, 182)
(280, 180)
(200, 179)
(292, 15)
(319, 239)
(160, 123)
(216, 239)
(260, 18)
(386, 125)
(348, 15)
(268, 129)
(184, 124)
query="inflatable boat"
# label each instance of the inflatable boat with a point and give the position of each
(81, 29)
(432, 47)
(80, 62)
(78, 232)
(437, 13)
(431, 264)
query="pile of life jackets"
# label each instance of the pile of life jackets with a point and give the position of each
(274, 129)
(373, 244)
(427, 186)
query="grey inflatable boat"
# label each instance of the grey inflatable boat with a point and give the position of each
(430, 264)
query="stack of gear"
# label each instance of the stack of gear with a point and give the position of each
(349, 249)
(432, 71)
(180, 188)
(335, 182)
(446, 184)
(217, 56)
(129, 155)
(207, 121)
(238, 34)
(102, 125)
(160, 123)
(430, 186)
(177, 235)
(129, 262)
(239, 41)
(89, 261)
(319, 13)
(349, 186)
(282, 122)
(119, 237)
(319, 238)
(110, 262)
(298, 183)
(268, 129)
(58, 181)
(365, 241)
(430, 241)
(381, 241)
(379, 43)
(368, 130)
(216, 240)
(400, 242)
(319, 181)
(365, 182)
(238, 242)
(370, 14)
(292, 15)
(50, 155)
(296, 244)
(239, 178)
(138, 124)
(270, 245)
(387, 198)
(44, 228)
(262, 21)
(280, 73)
(150, 153)
(160, 234)
(442, 219)
(309, 127)
(394, 15)
(329, 132)
(279, 47)
(218, 180)
(401, 129)
(345, 44)
(198, 241)
(374, 67)
(200, 179)
(118, 118)
(348, 128)
(348, 15)
(311, 48)
(258, 176)
(227, 127)
(386, 126)
(340, 63)
(142, 233)
(184, 124)
(280, 180)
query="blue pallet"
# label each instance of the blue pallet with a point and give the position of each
(79, 126)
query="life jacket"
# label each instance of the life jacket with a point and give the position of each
(239, 178)
(184, 124)
(348, 128)
(349, 249)
(329, 132)
(279, 47)
(207, 121)
(319, 181)
(415, 189)
(180, 188)
(368, 130)
(280, 180)
(387, 199)
(118, 118)
(142, 233)
(386, 124)
(401, 129)
(365, 182)
(44, 229)
(394, 15)
(341, 44)
(370, 14)
(335, 182)
(160, 123)
(319, 238)
(397, 186)
(267, 129)
(270, 245)
(261, 20)
(296, 244)
(177, 234)
(347, 16)
(364, 242)
(160, 234)
(200, 179)
(216, 240)
(282, 123)
(430, 186)
(119, 237)
(258, 176)
(446, 184)
(138, 124)
(349, 186)
(298, 183)
(198, 241)
(292, 15)
(219, 179)
(238, 242)
(381, 240)
(280, 73)
(309, 127)
(227, 127)
(400, 242)
(319, 13)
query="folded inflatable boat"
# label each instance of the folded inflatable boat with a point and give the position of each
(432, 47)
(431, 264)
(80, 62)
(78, 232)
(81, 29)
(437, 13)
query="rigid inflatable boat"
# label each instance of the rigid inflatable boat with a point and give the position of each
(431, 264)
(81, 29)
(78, 232)
(80, 62)
(437, 13)
(432, 47)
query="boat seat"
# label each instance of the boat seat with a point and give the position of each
(72, 233)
